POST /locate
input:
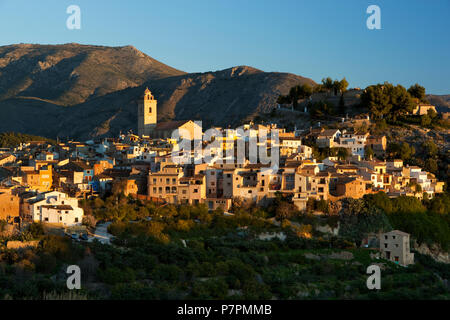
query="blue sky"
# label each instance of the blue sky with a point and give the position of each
(314, 39)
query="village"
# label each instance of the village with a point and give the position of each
(43, 182)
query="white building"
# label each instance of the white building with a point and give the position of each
(56, 207)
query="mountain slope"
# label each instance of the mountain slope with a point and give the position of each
(442, 102)
(71, 74)
(220, 98)
(90, 91)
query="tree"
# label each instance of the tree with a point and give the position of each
(406, 151)
(401, 102)
(425, 120)
(343, 154)
(432, 114)
(431, 165)
(387, 101)
(336, 86)
(417, 91)
(319, 109)
(340, 86)
(284, 211)
(375, 99)
(403, 151)
(327, 83)
(295, 93)
(343, 85)
(369, 152)
(430, 148)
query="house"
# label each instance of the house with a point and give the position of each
(378, 144)
(289, 145)
(9, 207)
(171, 185)
(422, 109)
(6, 158)
(55, 207)
(350, 187)
(328, 138)
(353, 143)
(40, 180)
(395, 247)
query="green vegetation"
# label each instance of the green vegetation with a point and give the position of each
(418, 92)
(428, 222)
(320, 109)
(186, 252)
(328, 85)
(13, 139)
(296, 93)
(386, 101)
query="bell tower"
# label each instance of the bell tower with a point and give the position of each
(147, 114)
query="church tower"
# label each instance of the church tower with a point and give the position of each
(147, 114)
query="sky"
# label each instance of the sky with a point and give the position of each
(314, 39)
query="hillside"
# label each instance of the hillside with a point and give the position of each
(442, 102)
(87, 91)
(70, 74)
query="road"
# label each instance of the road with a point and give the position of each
(101, 233)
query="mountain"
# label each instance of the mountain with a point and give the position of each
(85, 91)
(71, 74)
(442, 102)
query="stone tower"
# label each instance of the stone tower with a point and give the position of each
(147, 114)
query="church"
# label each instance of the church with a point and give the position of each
(148, 125)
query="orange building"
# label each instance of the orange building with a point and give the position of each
(350, 188)
(9, 207)
(40, 180)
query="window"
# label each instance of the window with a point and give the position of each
(174, 181)
(195, 190)
(385, 245)
(46, 219)
(154, 190)
(154, 180)
(76, 219)
(167, 181)
(60, 218)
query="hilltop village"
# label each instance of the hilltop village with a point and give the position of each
(42, 182)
